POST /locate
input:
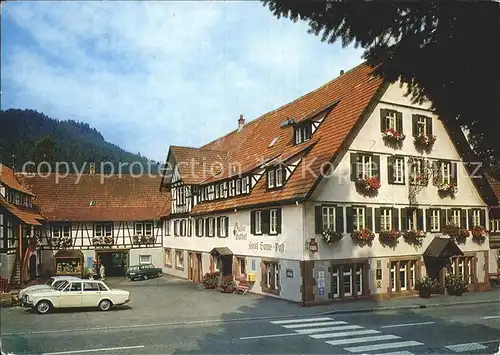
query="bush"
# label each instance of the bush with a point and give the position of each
(211, 279)
(425, 286)
(455, 285)
(227, 284)
(86, 273)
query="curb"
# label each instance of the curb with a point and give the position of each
(411, 306)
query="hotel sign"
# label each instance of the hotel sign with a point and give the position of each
(240, 232)
(267, 246)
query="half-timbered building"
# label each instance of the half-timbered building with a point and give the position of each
(350, 191)
(114, 220)
(20, 228)
(494, 213)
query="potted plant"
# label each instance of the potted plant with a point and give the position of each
(462, 235)
(330, 236)
(363, 236)
(479, 233)
(227, 284)
(211, 279)
(368, 185)
(389, 236)
(414, 236)
(425, 141)
(455, 286)
(393, 137)
(425, 286)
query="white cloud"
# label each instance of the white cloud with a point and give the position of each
(151, 74)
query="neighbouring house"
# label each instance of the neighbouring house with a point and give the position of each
(494, 213)
(350, 191)
(20, 229)
(114, 220)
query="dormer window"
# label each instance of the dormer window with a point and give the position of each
(279, 176)
(238, 187)
(275, 176)
(303, 132)
(271, 178)
(245, 185)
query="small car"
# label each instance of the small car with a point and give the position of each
(144, 272)
(50, 283)
(75, 294)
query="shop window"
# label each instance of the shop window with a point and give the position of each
(168, 257)
(463, 267)
(403, 275)
(179, 259)
(144, 259)
(347, 280)
(271, 280)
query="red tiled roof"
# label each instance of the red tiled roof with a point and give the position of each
(87, 198)
(25, 214)
(8, 178)
(495, 185)
(355, 89)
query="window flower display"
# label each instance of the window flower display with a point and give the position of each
(330, 236)
(425, 141)
(368, 185)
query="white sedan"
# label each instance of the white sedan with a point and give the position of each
(77, 293)
(51, 282)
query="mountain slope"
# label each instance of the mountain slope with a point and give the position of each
(32, 136)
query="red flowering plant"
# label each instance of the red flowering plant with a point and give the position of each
(414, 236)
(368, 184)
(461, 235)
(425, 141)
(392, 136)
(479, 233)
(447, 188)
(389, 236)
(363, 236)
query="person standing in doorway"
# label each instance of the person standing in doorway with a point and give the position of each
(101, 271)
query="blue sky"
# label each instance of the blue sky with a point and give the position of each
(152, 74)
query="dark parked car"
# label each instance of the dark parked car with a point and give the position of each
(144, 272)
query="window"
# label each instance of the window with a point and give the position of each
(243, 266)
(347, 280)
(245, 185)
(148, 229)
(435, 221)
(2, 241)
(335, 282)
(62, 230)
(271, 277)
(168, 257)
(231, 188)
(412, 220)
(258, 222)
(364, 166)
(328, 218)
(422, 125)
(455, 218)
(222, 226)
(183, 228)
(347, 285)
(476, 219)
(446, 172)
(359, 279)
(403, 275)
(495, 225)
(103, 230)
(463, 267)
(417, 172)
(76, 287)
(224, 189)
(385, 219)
(271, 180)
(217, 191)
(179, 259)
(279, 176)
(200, 227)
(144, 259)
(396, 172)
(303, 132)
(90, 286)
(273, 227)
(11, 241)
(238, 186)
(138, 229)
(358, 218)
(210, 226)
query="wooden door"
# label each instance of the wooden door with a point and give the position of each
(199, 268)
(190, 266)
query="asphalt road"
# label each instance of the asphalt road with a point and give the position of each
(449, 330)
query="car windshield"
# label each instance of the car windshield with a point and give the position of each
(133, 268)
(50, 281)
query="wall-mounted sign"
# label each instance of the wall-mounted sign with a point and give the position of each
(379, 284)
(267, 246)
(321, 291)
(289, 273)
(240, 231)
(379, 274)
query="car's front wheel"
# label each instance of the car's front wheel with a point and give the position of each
(145, 277)
(43, 307)
(105, 305)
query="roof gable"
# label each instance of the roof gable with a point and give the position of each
(8, 178)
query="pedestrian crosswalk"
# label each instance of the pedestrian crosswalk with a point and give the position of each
(357, 339)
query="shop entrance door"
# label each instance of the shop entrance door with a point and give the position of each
(115, 262)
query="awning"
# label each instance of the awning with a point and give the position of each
(26, 215)
(222, 251)
(442, 248)
(69, 253)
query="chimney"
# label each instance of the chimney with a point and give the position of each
(342, 72)
(241, 123)
(92, 169)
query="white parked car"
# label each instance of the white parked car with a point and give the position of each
(51, 282)
(77, 293)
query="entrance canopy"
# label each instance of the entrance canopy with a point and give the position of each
(442, 248)
(69, 253)
(221, 251)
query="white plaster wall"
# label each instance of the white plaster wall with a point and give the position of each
(172, 270)
(157, 256)
(338, 187)
(493, 261)
(290, 286)
(290, 241)
(7, 262)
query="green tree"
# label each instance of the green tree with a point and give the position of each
(43, 151)
(445, 51)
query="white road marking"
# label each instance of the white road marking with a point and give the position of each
(328, 329)
(405, 325)
(290, 321)
(344, 334)
(362, 340)
(308, 325)
(490, 317)
(465, 347)
(270, 336)
(401, 344)
(94, 350)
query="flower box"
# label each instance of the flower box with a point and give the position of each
(363, 236)
(61, 242)
(330, 236)
(414, 236)
(393, 137)
(479, 233)
(425, 141)
(389, 236)
(103, 241)
(368, 185)
(447, 188)
(143, 239)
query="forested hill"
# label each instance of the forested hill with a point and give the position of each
(28, 135)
